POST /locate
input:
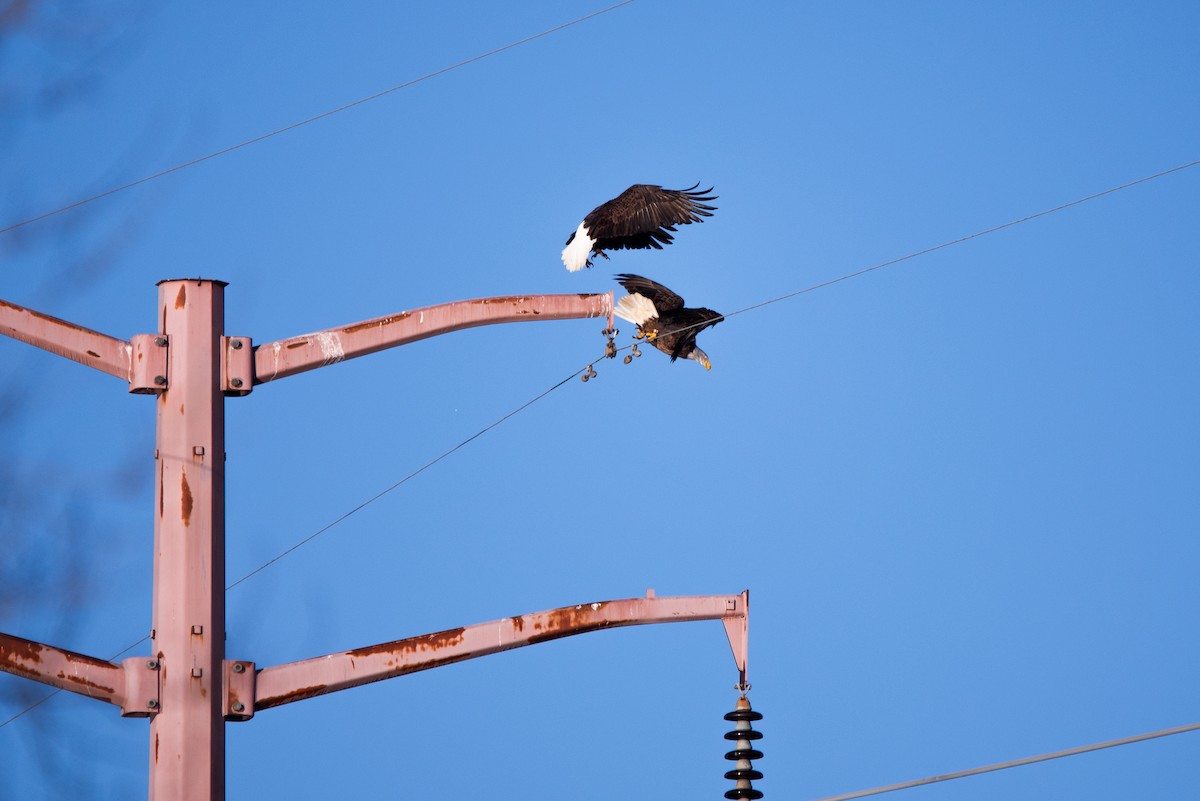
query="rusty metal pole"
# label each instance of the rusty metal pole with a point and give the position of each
(187, 735)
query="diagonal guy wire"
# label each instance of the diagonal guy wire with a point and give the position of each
(320, 116)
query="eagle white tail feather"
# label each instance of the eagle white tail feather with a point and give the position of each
(635, 308)
(575, 255)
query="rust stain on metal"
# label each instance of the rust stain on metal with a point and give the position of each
(426, 642)
(511, 299)
(395, 318)
(93, 354)
(41, 316)
(156, 748)
(295, 695)
(91, 685)
(186, 498)
(567, 621)
(300, 344)
(17, 669)
(86, 660)
(181, 298)
(518, 623)
(19, 650)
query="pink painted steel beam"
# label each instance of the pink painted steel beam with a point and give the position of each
(187, 736)
(295, 681)
(106, 354)
(132, 685)
(290, 356)
(63, 669)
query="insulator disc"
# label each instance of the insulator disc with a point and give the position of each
(744, 792)
(743, 774)
(748, 734)
(743, 714)
(744, 753)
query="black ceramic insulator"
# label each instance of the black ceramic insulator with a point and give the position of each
(743, 753)
(746, 734)
(743, 774)
(743, 792)
(743, 714)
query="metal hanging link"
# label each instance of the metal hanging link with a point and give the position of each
(610, 347)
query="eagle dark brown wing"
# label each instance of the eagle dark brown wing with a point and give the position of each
(664, 300)
(681, 327)
(643, 215)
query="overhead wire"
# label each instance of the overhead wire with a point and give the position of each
(336, 521)
(309, 120)
(752, 307)
(942, 246)
(564, 381)
(1016, 763)
(741, 311)
(406, 479)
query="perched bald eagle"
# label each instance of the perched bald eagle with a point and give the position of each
(640, 217)
(661, 317)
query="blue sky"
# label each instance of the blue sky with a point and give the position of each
(962, 490)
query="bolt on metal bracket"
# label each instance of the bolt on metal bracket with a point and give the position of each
(141, 691)
(237, 366)
(148, 363)
(240, 680)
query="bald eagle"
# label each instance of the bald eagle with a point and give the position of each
(661, 317)
(640, 217)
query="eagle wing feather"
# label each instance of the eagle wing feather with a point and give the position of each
(644, 213)
(686, 324)
(663, 299)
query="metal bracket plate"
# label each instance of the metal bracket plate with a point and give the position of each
(148, 363)
(239, 689)
(141, 687)
(237, 368)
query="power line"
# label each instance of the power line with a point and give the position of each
(334, 522)
(975, 235)
(949, 243)
(404, 480)
(752, 307)
(320, 116)
(812, 288)
(1016, 763)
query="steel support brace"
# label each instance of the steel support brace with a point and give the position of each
(74, 342)
(286, 357)
(283, 684)
(132, 685)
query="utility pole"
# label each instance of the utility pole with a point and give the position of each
(186, 686)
